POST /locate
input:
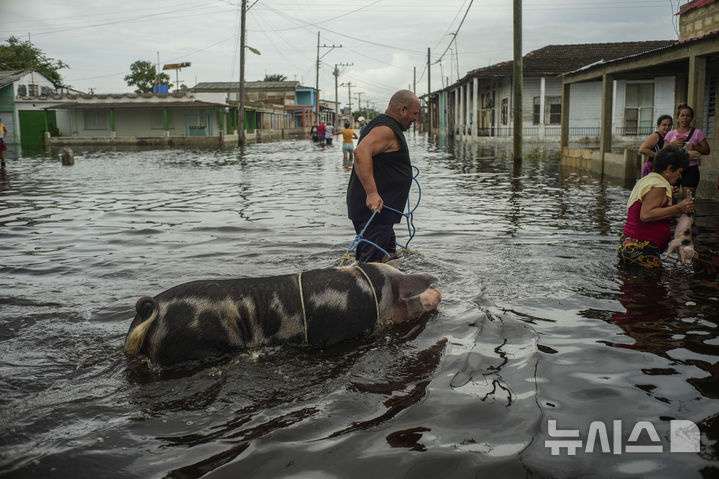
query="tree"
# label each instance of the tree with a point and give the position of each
(275, 77)
(17, 55)
(142, 76)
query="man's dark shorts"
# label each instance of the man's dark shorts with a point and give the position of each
(690, 178)
(378, 233)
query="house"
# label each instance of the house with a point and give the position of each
(177, 118)
(480, 104)
(26, 123)
(272, 105)
(628, 88)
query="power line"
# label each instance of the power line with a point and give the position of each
(454, 39)
(317, 25)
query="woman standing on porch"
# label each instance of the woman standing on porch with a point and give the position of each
(655, 142)
(694, 142)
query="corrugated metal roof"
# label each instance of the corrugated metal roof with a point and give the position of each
(696, 4)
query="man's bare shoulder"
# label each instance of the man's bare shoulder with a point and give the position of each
(381, 132)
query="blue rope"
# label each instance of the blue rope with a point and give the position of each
(409, 215)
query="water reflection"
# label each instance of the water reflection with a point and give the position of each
(665, 316)
(537, 320)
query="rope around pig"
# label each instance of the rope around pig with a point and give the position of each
(304, 310)
(409, 216)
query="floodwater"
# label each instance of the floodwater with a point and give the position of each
(538, 323)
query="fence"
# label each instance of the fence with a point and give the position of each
(555, 131)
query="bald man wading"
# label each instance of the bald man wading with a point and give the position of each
(382, 175)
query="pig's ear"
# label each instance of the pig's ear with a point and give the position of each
(414, 284)
(394, 262)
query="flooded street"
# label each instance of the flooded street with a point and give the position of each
(538, 323)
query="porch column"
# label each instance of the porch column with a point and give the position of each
(468, 111)
(564, 127)
(221, 118)
(457, 94)
(113, 133)
(605, 131)
(696, 87)
(463, 101)
(475, 117)
(166, 122)
(542, 95)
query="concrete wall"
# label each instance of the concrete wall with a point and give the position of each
(618, 165)
(253, 136)
(699, 21)
(586, 101)
(585, 105)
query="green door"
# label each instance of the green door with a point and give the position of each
(32, 127)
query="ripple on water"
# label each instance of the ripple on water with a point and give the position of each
(537, 322)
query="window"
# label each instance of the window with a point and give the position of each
(552, 110)
(505, 111)
(157, 120)
(553, 105)
(34, 89)
(96, 119)
(639, 109)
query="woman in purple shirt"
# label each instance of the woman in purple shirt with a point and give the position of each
(694, 142)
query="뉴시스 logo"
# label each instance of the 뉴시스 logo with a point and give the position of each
(684, 437)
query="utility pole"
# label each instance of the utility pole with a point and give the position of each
(241, 93)
(317, 83)
(429, 94)
(337, 102)
(414, 81)
(349, 93)
(337, 74)
(517, 77)
(317, 74)
(359, 101)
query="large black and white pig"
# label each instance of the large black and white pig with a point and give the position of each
(204, 319)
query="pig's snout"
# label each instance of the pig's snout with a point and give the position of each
(430, 299)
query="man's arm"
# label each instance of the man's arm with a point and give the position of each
(379, 140)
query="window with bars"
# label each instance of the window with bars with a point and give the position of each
(552, 110)
(505, 111)
(553, 106)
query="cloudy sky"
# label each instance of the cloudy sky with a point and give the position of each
(383, 41)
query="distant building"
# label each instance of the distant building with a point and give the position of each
(268, 104)
(480, 104)
(25, 121)
(683, 72)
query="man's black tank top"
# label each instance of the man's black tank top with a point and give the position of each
(392, 174)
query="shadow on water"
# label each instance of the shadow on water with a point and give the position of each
(537, 321)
